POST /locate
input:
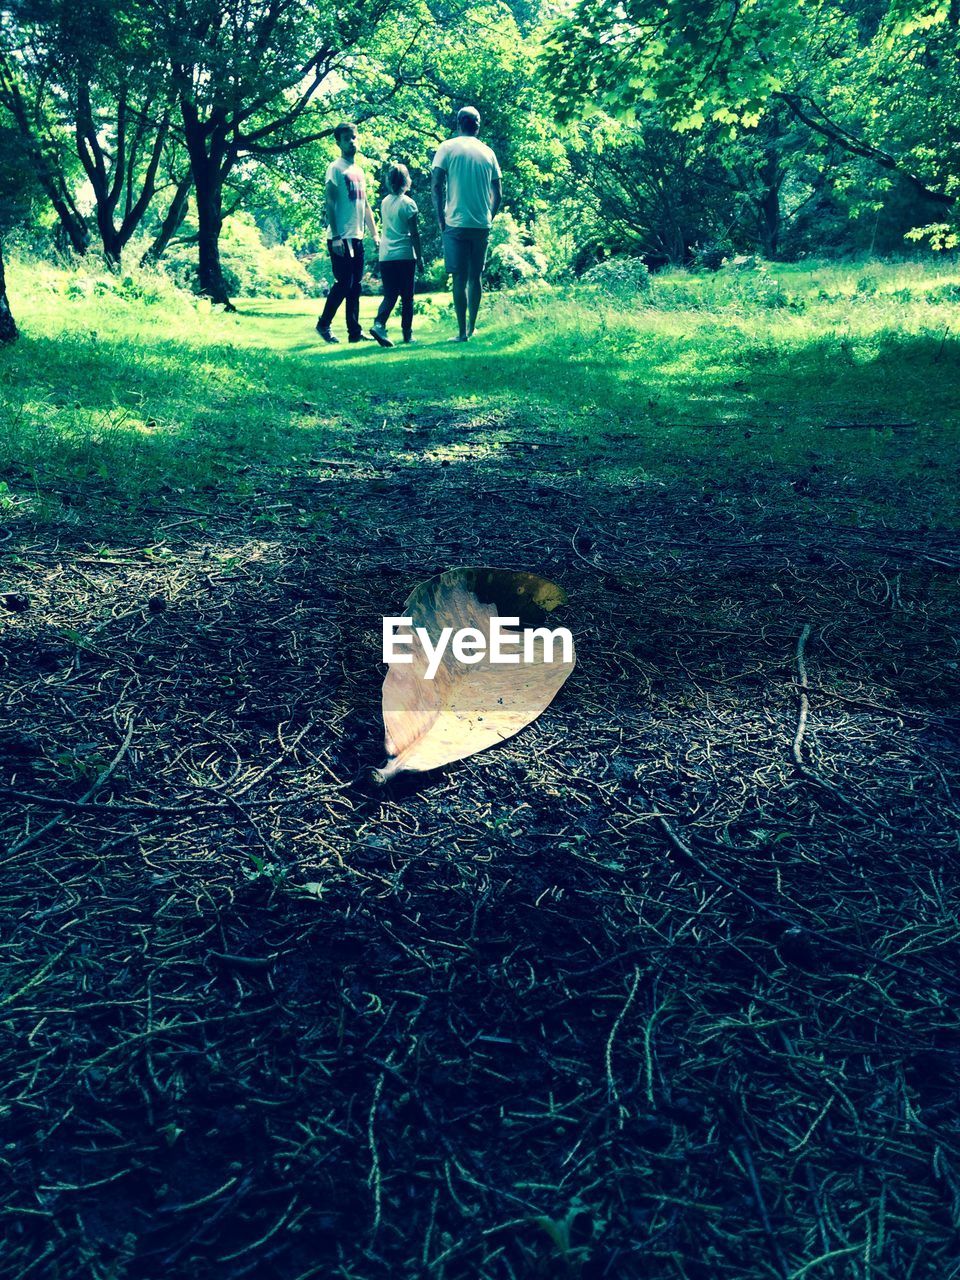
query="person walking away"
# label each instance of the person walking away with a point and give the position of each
(348, 216)
(467, 193)
(400, 254)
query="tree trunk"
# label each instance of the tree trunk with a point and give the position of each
(206, 146)
(8, 328)
(209, 164)
(769, 210)
(112, 248)
(172, 222)
(209, 196)
(74, 228)
(770, 178)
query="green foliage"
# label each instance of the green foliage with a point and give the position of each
(21, 195)
(634, 187)
(249, 264)
(948, 294)
(703, 61)
(939, 235)
(876, 81)
(689, 134)
(88, 88)
(618, 278)
(572, 1240)
(744, 287)
(512, 259)
(268, 870)
(712, 255)
(145, 286)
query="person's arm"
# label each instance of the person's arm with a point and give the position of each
(415, 240)
(336, 240)
(497, 196)
(370, 224)
(438, 182)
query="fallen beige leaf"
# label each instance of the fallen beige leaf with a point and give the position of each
(467, 708)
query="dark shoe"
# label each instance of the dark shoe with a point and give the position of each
(325, 334)
(380, 333)
(408, 338)
(360, 337)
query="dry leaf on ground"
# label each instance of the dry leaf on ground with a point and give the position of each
(466, 708)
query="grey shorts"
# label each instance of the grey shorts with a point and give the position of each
(465, 250)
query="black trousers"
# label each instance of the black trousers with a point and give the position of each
(347, 275)
(398, 282)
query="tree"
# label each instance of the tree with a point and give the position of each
(20, 194)
(41, 137)
(121, 102)
(636, 187)
(476, 53)
(778, 169)
(88, 88)
(879, 79)
(246, 74)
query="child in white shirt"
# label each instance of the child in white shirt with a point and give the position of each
(400, 254)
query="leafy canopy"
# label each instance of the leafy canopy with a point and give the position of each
(881, 78)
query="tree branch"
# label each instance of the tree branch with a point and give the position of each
(816, 118)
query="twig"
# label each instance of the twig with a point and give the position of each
(804, 698)
(608, 1054)
(373, 1178)
(32, 837)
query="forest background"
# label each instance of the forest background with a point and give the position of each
(196, 133)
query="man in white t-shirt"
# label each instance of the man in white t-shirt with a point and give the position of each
(467, 194)
(348, 216)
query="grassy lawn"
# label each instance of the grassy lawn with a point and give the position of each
(854, 400)
(664, 986)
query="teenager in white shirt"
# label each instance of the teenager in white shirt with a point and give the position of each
(348, 216)
(400, 254)
(467, 193)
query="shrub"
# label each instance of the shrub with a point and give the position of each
(508, 265)
(250, 267)
(317, 267)
(710, 256)
(558, 248)
(513, 259)
(743, 291)
(760, 290)
(434, 276)
(618, 277)
(146, 286)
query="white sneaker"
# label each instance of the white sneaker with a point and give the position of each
(380, 333)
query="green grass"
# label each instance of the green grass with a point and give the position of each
(837, 383)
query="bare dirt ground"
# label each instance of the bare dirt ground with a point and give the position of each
(665, 986)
